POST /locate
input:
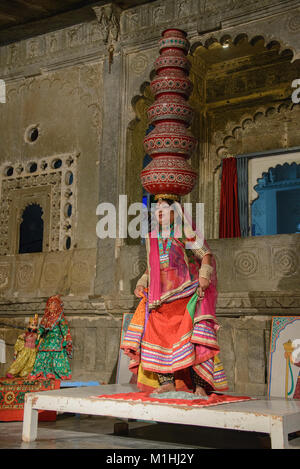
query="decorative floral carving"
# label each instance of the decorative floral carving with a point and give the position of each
(294, 23)
(139, 64)
(4, 271)
(80, 272)
(246, 263)
(286, 262)
(25, 274)
(50, 272)
(139, 266)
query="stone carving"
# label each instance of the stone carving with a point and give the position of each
(159, 14)
(12, 55)
(25, 274)
(50, 273)
(137, 23)
(108, 17)
(28, 185)
(80, 272)
(4, 272)
(95, 32)
(52, 43)
(294, 22)
(33, 49)
(246, 263)
(285, 262)
(74, 37)
(139, 267)
(140, 22)
(225, 140)
(266, 302)
(139, 64)
(183, 8)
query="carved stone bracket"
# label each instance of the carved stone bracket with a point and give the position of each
(108, 17)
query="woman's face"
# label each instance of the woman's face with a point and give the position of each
(52, 307)
(163, 213)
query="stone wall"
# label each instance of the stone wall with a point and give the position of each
(39, 275)
(245, 344)
(65, 107)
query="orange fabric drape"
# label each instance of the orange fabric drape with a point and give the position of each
(229, 207)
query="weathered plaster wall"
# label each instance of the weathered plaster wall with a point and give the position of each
(66, 107)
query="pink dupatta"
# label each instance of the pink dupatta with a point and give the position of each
(208, 303)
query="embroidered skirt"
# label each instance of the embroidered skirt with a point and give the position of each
(173, 341)
(51, 365)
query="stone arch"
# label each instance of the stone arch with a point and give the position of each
(31, 228)
(135, 152)
(281, 111)
(237, 37)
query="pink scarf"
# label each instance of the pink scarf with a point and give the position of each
(208, 303)
(154, 264)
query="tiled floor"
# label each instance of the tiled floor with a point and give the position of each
(93, 432)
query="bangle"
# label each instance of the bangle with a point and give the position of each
(143, 281)
(205, 271)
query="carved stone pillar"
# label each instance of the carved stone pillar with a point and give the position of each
(105, 281)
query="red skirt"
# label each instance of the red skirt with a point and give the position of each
(166, 345)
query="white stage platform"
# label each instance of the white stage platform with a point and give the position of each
(276, 417)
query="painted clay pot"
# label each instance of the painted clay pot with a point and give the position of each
(170, 138)
(174, 39)
(168, 174)
(177, 62)
(172, 83)
(170, 143)
(170, 108)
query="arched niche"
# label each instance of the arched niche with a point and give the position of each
(255, 154)
(234, 78)
(241, 92)
(135, 152)
(31, 229)
(21, 199)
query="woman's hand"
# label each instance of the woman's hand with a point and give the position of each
(139, 291)
(203, 285)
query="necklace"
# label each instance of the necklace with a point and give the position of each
(164, 252)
